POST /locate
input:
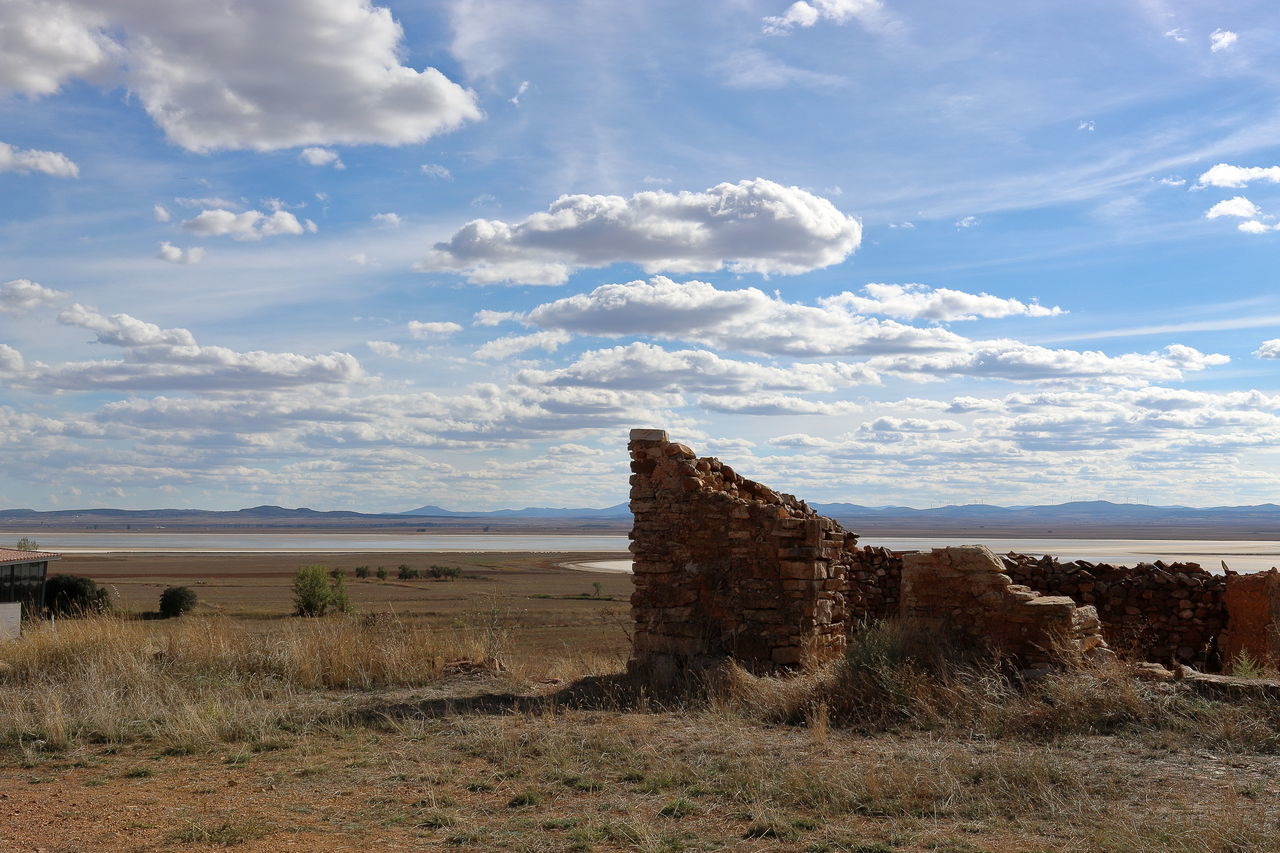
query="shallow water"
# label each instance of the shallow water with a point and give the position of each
(320, 543)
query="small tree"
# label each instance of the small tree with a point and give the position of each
(310, 591)
(362, 572)
(445, 572)
(316, 591)
(176, 600)
(72, 595)
(405, 573)
(27, 544)
(382, 573)
(338, 573)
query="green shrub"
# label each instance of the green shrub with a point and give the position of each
(362, 572)
(382, 573)
(72, 595)
(445, 572)
(176, 600)
(26, 544)
(317, 591)
(405, 573)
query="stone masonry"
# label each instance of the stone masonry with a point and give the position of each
(962, 594)
(726, 567)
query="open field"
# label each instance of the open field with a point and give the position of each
(490, 713)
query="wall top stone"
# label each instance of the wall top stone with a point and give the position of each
(649, 435)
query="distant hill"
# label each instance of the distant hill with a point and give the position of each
(621, 510)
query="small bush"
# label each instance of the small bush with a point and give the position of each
(405, 573)
(176, 600)
(317, 592)
(362, 572)
(382, 573)
(445, 572)
(72, 595)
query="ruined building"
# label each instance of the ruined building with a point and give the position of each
(726, 567)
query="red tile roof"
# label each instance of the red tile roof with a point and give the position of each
(9, 555)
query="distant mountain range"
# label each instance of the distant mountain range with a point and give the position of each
(1077, 518)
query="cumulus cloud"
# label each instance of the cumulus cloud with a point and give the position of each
(260, 76)
(1221, 39)
(321, 157)
(512, 344)
(423, 331)
(773, 404)
(389, 219)
(22, 296)
(751, 226)
(1019, 362)
(1269, 349)
(435, 170)
(158, 358)
(648, 367)
(1235, 177)
(807, 14)
(1088, 125)
(968, 222)
(524, 87)
(485, 317)
(1237, 206)
(161, 213)
(746, 320)
(919, 302)
(249, 225)
(26, 160)
(1253, 226)
(177, 255)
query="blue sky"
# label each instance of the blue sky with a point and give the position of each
(346, 255)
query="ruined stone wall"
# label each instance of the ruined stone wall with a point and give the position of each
(727, 567)
(875, 581)
(963, 594)
(1253, 626)
(1167, 613)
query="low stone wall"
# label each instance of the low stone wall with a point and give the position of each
(963, 594)
(726, 567)
(1168, 613)
(1253, 602)
(875, 581)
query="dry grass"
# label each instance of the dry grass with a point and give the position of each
(194, 681)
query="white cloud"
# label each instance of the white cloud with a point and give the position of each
(1235, 177)
(524, 87)
(435, 170)
(1269, 349)
(249, 225)
(512, 344)
(918, 302)
(648, 367)
(177, 255)
(773, 404)
(746, 320)
(161, 213)
(1238, 206)
(1177, 34)
(424, 331)
(657, 182)
(1221, 39)
(360, 258)
(261, 76)
(1087, 125)
(1171, 181)
(22, 296)
(752, 226)
(159, 358)
(321, 157)
(807, 14)
(25, 160)
(389, 219)
(968, 222)
(1253, 226)
(485, 317)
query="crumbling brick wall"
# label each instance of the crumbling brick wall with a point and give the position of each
(1168, 613)
(727, 567)
(962, 594)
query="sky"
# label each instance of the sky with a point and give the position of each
(373, 255)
